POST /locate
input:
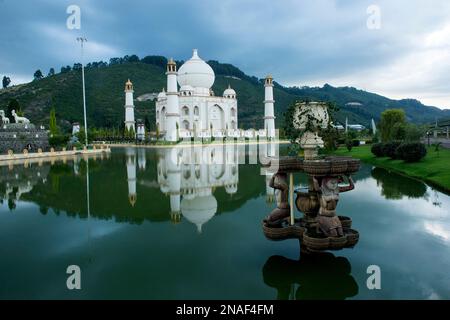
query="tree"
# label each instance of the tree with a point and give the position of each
(51, 72)
(133, 58)
(155, 60)
(391, 120)
(6, 82)
(146, 124)
(38, 75)
(54, 130)
(65, 69)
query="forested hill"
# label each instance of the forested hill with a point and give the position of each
(105, 95)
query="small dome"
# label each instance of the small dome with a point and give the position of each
(162, 94)
(132, 198)
(196, 73)
(231, 188)
(229, 92)
(128, 85)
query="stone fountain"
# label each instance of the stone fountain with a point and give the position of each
(320, 228)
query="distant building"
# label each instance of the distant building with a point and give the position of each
(357, 127)
(353, 104)
(75, 128)
(140, 130)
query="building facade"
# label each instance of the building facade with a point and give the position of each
(195, 111)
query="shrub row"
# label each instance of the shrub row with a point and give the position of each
(409, 152)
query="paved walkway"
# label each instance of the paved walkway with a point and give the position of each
(56, 154)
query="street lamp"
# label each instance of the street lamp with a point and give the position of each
(82, 40)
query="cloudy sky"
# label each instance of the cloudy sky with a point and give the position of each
(404, 53)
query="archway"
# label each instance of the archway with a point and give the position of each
(217, 118)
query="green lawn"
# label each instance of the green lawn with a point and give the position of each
(434, 168)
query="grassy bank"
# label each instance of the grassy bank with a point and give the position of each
(434, 168)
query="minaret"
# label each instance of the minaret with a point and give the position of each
(129, 106)
(172, 114)
(269, 116)
(131, 175)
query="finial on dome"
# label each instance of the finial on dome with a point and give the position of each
(163, 89)
(194, 53)
(229, 87)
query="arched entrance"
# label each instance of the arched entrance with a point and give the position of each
(217, 118)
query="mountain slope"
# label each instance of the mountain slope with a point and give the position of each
(105, 97)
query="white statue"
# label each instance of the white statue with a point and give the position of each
(18, 119)
(5, 120)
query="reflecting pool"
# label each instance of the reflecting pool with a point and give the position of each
(185, 223)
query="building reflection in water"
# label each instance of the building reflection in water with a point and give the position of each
(317, 276)
(19, 177)
(190, 175)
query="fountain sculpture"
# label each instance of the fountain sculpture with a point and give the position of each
(320, 228)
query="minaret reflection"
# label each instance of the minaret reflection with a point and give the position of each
(142, 160)
(131, 174)
(268, 150)
(190, 175)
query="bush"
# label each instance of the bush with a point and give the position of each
(378, 149)
(349, 144)
(58, 141)
(413, 133)
(390, 149)
(356, 142)
(411, 152)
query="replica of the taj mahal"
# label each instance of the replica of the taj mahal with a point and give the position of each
(194, 111)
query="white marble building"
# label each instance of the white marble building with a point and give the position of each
(195, 111)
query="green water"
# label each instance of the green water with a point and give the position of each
(212, 246)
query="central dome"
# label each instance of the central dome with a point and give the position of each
(196, 73)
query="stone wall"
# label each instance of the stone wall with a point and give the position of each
(17, 136)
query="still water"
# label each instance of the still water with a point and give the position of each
(153, 231)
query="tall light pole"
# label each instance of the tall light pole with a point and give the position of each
(82, 41)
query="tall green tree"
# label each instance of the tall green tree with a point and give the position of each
(146, 124)
(54, 130)
(391, 121)
(51, 72)
(38, 75)
(6, 81)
